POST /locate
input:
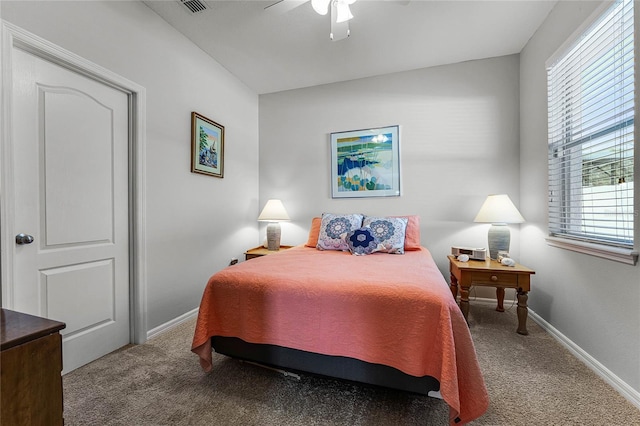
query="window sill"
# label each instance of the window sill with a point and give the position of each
(627, 256)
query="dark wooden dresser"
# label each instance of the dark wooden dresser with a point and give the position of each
(30, 370)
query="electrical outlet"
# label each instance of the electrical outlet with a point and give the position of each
(234, 260)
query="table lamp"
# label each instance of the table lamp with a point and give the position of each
(498, 210)
(274, 213)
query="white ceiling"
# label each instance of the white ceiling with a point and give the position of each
(287, 46)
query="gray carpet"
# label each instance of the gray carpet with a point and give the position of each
(531, 380)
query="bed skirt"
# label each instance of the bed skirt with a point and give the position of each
(332, 366)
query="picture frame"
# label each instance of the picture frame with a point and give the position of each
(366, 163)
(207, 146)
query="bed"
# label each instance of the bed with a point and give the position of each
(384, 319)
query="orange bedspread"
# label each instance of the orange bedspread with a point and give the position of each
(395, 310)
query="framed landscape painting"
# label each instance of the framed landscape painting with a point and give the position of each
(366, 163)
(207, 146)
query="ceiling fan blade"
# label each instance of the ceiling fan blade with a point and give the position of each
(321, 6)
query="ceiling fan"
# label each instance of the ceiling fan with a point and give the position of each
(340, 13)
(343, 13)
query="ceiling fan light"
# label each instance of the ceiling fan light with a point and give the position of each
(344, 13)
(321, 6)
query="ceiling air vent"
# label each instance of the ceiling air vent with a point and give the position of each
(194, 6)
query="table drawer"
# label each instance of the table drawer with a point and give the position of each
(494, 278)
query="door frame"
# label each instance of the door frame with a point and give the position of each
(14, 37)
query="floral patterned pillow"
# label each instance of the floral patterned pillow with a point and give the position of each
(333, 227)
(389, 231)
(362, 241)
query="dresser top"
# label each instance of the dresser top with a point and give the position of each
(17, 328)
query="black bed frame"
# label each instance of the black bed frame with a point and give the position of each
(333, 366)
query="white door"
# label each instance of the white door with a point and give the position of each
(70, 174)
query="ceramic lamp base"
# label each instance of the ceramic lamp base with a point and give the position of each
(499, 239)
(273, 236)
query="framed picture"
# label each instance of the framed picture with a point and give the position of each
(207, 146)
(366, 163)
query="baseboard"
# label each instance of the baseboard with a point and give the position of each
(605, 374)
(508, 303)
(170, 324)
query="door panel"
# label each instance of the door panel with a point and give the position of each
(76, 126)
(71, 170)
(93, 283)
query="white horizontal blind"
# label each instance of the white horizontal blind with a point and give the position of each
(591, 133)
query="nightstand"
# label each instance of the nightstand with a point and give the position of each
(491, 273)
(262, 251)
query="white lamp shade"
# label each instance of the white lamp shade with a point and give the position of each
(498, 209)
(273, 211)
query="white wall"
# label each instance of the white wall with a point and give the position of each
(593, 302)
(195, 223)
(459, 143)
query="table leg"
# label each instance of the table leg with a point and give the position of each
(500, 297)
(454, 287)
(464, 302)
(523, 312)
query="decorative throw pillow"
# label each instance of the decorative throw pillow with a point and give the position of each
(333, 226)
(389, 231)
(361, 241)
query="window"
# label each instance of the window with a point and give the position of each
(591, 137)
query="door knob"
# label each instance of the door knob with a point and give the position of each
(24, 239)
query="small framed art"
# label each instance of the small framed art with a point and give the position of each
(207, 146)
(366, 163)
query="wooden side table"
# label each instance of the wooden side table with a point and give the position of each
(262, 251)
(491, 273)
(30, 377)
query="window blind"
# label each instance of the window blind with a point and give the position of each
(591, 132)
